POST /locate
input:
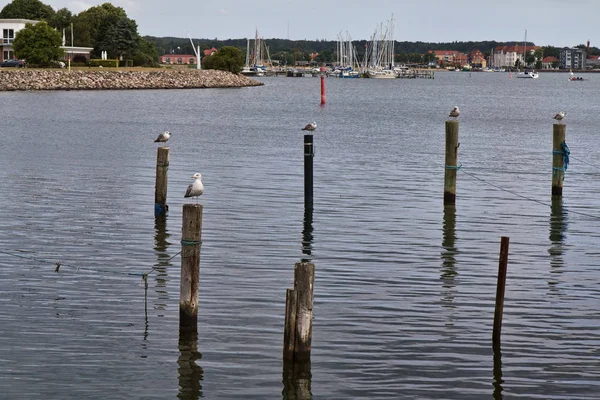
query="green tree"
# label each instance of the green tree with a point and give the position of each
(27, 9)
(529, 59)
(120, 39)
(146, 54)
(61, 19)
(39, 44)
(92, 25)
(228, 58)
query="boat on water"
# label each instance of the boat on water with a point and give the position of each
(382, 74)
(527, 74)
(573, 77)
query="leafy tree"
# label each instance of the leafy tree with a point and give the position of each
(38, 44)
(146, 54)
(61, 19)
(228, 58)
(529, 58)
(550, 51)
(27, 9)
(120, 39)
(92, 25)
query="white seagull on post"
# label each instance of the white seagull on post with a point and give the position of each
(455, 112)
(196, 188)
(559, 116)
(163, 137)
(310, 127)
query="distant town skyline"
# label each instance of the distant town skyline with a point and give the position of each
(548, 22)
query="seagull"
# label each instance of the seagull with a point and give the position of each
(196, 188)
(310, 127)
(163, 137)
(559, 116)
(455, 112)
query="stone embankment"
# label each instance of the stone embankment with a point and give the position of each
(24, 79)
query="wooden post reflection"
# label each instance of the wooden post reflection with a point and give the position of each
(190, 373)
(297, 380)
(558, 226)
(498, 381)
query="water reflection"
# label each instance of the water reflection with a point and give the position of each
(190, 373)
(307, 235)
(448, 271)
(163, 262)
(296, 380)
(498, 381)
(558, 227)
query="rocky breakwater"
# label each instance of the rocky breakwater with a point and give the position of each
(24, 79)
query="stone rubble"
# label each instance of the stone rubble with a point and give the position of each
(34, 79)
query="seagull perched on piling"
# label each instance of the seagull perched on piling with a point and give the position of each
(455, 112)
(310, 127)
(163, 137)
(196, 188)
(559, 116)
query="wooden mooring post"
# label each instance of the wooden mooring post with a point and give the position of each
(191, 240)
(309, 153)
(558, 158)
(160, 192)
(500, 289)
(297, 333)
(323, 99)
(451, 167)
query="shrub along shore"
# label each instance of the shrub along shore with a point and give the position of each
(34, 79)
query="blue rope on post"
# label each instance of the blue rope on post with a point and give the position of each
(453, 167)
(565, 152)
(191, 242)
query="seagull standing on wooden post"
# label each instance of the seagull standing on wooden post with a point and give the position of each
(559, 116)
(454, 113)
(310, 127)
(163, 137)
(196, 188)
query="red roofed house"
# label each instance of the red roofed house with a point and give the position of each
(549, 62)
(445, 57)
(209, 52)
(178, 59)
(506, 56)
(477, 59)
(593, 62)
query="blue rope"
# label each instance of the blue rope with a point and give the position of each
(565, 152)
(453, 167)
(191, 242)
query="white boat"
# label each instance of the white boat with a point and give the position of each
(527, 74)
(382, 74)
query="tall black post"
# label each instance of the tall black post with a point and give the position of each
(309, 153)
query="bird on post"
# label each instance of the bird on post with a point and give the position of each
(310, 127)
(454, 113)
(559, 116)
(196, 188)
(163, 137)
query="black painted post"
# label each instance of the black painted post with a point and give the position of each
(309, 153)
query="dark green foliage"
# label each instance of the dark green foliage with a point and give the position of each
(96, 62)
(120, 39)
(145, 55)
(228, 58)
(38, 44)
(27, 9)
(61, 19)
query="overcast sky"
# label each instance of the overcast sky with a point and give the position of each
(548, 22)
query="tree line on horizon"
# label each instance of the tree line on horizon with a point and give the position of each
(108, 28)
(288, 51)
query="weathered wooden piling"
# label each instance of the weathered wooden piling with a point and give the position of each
(450, 163)
(289, 329)
(500, 288)
(558, 158)
(309, 153)
(160, 192)
(323, 90)
(299, 314)
(191, 240)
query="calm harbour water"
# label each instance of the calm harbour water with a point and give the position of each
(404, 290)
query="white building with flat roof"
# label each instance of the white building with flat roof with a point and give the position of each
(8, 29)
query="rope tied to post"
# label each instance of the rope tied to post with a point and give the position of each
(456, 167)
(191, 242)
(565, 152)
